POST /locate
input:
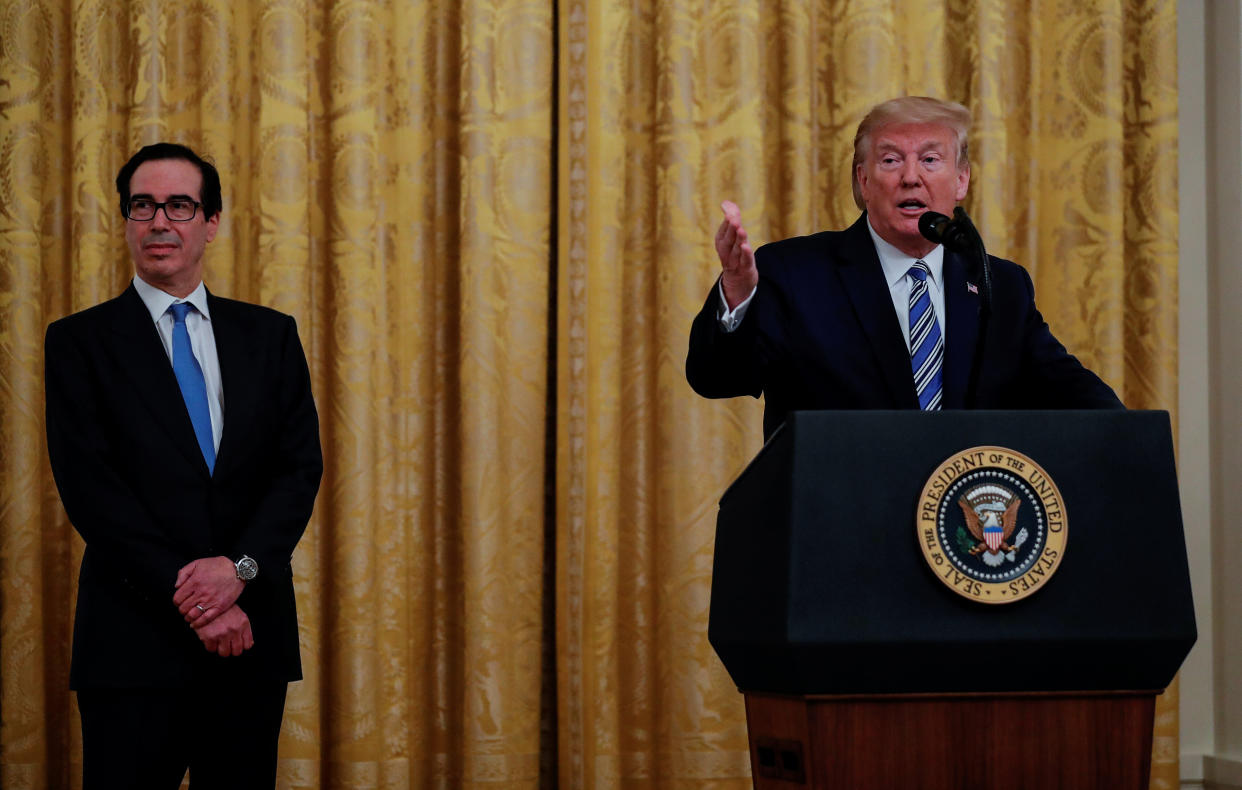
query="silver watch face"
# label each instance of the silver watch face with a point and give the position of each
(247, 568)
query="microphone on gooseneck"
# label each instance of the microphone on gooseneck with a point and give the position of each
(959, 235)
(942, 230)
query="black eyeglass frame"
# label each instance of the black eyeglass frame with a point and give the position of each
(157, 207)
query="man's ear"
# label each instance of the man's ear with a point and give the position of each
(963, 183)
(213, 225)
(860, 174)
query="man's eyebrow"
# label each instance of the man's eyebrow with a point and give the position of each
(149, 196)
(926, 145)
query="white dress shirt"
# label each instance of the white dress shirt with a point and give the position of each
(202, 342)
(896, 265)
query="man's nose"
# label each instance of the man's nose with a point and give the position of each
(910, 172)
(161, 220)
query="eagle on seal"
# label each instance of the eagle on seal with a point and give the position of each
(992, 527)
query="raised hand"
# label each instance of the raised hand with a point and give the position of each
(737, 260)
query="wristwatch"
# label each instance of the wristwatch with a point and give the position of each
(247, 568)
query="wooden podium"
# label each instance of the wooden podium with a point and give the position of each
(862, 671)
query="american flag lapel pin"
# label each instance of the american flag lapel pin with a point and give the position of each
(974, 289)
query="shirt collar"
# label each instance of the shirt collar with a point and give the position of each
(157, 301)
(896, 263)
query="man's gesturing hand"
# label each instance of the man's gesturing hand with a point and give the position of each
(206, 588)
(737, 260)
(227, 634)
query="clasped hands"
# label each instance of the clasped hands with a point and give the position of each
(206, 595)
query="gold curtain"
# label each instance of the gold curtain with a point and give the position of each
(390, 170)
(668, 108)
(387, 171)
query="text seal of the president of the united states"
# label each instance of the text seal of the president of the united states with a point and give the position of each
(991, 524)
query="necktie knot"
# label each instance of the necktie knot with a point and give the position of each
(919, 271)
(180, 310)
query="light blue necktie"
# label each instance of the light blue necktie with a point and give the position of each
(193, 386)
(926, 345)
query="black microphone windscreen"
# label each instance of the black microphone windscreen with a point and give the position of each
(933, 226)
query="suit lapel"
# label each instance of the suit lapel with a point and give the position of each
(863, 278)
(961, 329)
(140, 353)
(236, 373)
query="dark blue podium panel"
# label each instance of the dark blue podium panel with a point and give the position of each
(820, 585)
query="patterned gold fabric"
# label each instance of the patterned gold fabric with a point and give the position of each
(390, 170)
(668, 108)
(387, 174)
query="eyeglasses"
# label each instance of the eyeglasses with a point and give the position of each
(177, 210)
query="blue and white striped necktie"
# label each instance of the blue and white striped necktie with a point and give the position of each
(926, 344)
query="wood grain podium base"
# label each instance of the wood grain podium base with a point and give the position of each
(1030, 741)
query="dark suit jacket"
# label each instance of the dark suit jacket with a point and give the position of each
(137, 489)
(821, 334)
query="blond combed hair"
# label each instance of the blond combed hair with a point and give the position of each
(910, 109)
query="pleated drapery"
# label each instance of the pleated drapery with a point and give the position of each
(492, 221)
(387, 176)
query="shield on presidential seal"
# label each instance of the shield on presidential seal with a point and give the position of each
(991, 513)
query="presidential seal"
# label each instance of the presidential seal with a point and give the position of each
(991, 524)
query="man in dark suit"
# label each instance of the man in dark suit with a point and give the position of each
(876, 316)
(185, 444)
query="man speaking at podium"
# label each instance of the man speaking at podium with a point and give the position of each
(876, 316)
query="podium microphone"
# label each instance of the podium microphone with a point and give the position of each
(959, 234)
(953, 234)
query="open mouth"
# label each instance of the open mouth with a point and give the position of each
(912, 205)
